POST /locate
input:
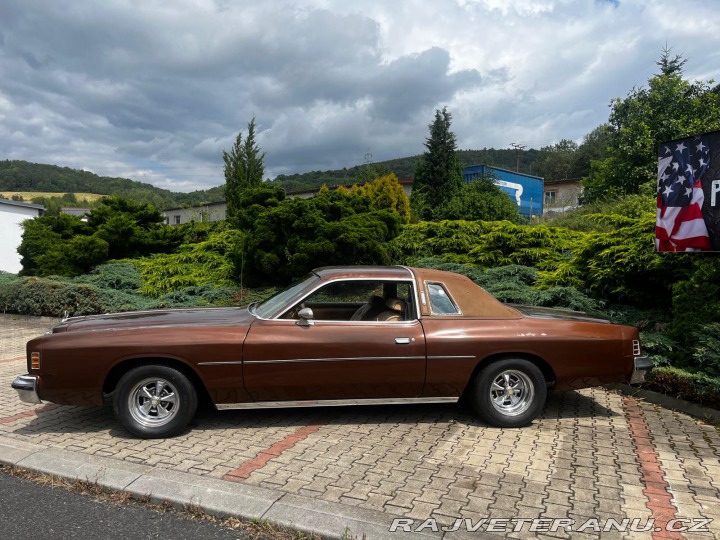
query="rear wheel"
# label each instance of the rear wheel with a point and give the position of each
(509, 393)
(155, 401)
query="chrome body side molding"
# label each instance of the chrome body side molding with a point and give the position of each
(348, 359)
(334, 403)
(457, 357)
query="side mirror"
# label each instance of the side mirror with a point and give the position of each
(305, 317)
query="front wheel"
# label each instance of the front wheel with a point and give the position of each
(154, 401)
(509, 393)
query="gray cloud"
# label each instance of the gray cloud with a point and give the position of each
(156, 90)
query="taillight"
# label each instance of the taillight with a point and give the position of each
(35, 360)
(636, 347)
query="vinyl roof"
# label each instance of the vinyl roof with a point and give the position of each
(372, 272)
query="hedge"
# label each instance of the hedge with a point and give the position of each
(696, 387)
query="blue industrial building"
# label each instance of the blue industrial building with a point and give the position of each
(524, 189)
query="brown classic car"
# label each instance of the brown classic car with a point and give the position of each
(341, 335)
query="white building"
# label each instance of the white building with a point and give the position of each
(12, 214)
(206, 212)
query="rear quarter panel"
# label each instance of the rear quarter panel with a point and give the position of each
(580, 354)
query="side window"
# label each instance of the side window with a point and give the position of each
(440, 301)
(355, 292)
(360, 300)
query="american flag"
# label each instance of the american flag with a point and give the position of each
(680, 225)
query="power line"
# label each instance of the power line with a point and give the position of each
(518, 147)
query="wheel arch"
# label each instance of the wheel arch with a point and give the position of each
(544, 367)
(121, 368)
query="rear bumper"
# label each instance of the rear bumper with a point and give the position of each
(26, 387)
(641, 365)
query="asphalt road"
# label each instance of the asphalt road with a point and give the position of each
(34, 511)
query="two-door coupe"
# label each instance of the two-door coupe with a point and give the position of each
(342, 335)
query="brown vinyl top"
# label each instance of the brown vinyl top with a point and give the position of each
(367, 272)
(473, 300)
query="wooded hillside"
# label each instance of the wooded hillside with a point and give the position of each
(36, 177)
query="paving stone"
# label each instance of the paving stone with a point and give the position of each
(477, 506)
(422, 510)
(558, 497)
(579, 458)
(505, 504)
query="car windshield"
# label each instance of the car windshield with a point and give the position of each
(272, 306)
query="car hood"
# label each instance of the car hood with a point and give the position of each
(233, 316)
(536, 312)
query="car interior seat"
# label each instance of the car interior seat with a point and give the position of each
(367, 312)
(395, 310)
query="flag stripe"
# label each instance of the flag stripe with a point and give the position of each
(680, 225)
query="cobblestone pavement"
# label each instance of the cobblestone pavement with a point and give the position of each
(592, 454)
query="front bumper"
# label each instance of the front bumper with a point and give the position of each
(26, 386)
(641, 365)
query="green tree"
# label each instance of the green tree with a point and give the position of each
(438, 176)
(669, 108)
(118, 228)
(144, 215)
(593, 148)
(76, 256)
(132, 229)
(297, 235)
(670, 65)
(59, 245)
(371, 171)
(253, 202)
(243, 169)
(69, 198)
(387, 194)
(480, 199)
(52, 204)
(557, 162)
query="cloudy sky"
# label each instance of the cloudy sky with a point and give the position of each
(154, 90)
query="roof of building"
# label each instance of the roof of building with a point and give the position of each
(566, 181)
(493, 167)
(74, 209)
(23, 204)
(316, 190)
(204, 205)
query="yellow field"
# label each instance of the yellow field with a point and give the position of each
(29, 195)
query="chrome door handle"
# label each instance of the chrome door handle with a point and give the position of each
(402, 340)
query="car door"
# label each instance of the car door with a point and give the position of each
(287, 359)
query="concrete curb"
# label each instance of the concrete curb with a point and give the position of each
(687, 407)
(219, 498)
(20, 317)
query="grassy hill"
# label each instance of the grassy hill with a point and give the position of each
(405, 167)
(30, 180)
(37, 180)
(82, 198)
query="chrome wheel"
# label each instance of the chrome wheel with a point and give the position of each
(153, 402)
(511, 392)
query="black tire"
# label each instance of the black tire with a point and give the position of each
(155, 402)
(509, 393)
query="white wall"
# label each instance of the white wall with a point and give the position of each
(199, 214)
(11, 234)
